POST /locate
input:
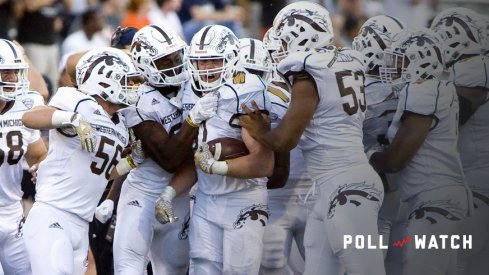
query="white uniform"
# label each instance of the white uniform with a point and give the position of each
(229, 214)
(14, 139)
(432, 183)
(138, 232)
(473, 146)
(350, 192)
(382, 104)
(288, 211)
(69, 185)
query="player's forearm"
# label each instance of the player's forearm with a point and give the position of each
(251, 166)
(115, 189)
(185, 177)
(39, 117)
(280, 171)
(178, 143)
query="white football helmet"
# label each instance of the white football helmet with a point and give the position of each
(215, 45)
(375, 35)
(415, 56)
(302, 26)
(459, 32)
(159, 53)
(255, 58)
(110, 74)
(271, 42)
(13, 71)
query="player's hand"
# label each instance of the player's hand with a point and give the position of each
(256, 124)
(164, 207)
(204, 108)
(33, 171)
(137, 152)
(88, 139)
(104, 211)
(205, 160)
(376, 148)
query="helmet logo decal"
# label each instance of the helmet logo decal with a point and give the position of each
(226, 37)
(107, 59)
(142, 42)
(449, 21)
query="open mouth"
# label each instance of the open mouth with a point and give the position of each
(210, 78)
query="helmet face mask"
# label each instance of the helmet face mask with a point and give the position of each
(213, 57)
(13, 71)
(160, 54)
(375, 35)
(415, 56)
(255, 58)
(110, 74)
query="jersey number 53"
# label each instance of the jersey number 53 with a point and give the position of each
(352, 91)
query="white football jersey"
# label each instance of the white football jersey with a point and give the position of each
(14, 139)
(152, 106)
(190, 96)
(244, 88)
(381, 107)
(473, 139)
(437, 163)
(280, 100)
(333, 139)
(72, 179)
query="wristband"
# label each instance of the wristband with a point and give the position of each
(124, 166)
(62, 118)
(190, 122)
(131, 162)
(219, 168)
(168, 193)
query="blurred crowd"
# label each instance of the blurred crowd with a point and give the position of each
(51, 29)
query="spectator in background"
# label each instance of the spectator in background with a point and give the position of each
(347, 20)
(90, 35)
(415, 13)
(39, 24)
(165, 13)
(137, 14)
(112, 10)
(195, 14)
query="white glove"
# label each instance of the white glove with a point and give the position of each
(204, 108)
(88, 139)
(104, 211)
(137, 152)
(207, 163)
(164, 208)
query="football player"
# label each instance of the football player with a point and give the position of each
(159, 54)
(327, 109)
(422, 151)
(16, 142)
(230, 211)
(462, 34)
(375, 35)
(71, 179)
(287, 190)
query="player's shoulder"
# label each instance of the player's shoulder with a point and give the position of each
(28, 100)
(69, 99)
(471, 72)
(243, 85)
(424, 96)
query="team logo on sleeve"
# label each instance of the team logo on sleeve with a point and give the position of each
(255, 212)
(350, 193)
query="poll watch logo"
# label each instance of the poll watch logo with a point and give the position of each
(420, 242)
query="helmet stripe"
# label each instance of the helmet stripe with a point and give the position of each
(202, 39)
(167, 38)
(12, 48)
(252, 49)
(395, 20)
(309, 21)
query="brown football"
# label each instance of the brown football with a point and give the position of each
(227, 148)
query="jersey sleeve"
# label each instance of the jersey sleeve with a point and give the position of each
(279, 99)
(420, 98)
(472, 72)
(142, 111)
(68, 99)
